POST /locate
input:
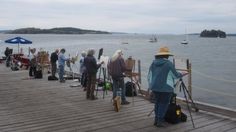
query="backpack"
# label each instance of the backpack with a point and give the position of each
(174, 114)
(129, 86)
(38, 74)
(52, 78)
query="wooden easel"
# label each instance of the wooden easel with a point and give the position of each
(132, 75)
(43, 60)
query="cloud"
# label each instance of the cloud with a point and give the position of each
(146, 16)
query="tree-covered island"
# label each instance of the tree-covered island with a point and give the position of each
(213, 33)
(62, 30)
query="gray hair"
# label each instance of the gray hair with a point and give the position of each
(91, 52)
(83, 53)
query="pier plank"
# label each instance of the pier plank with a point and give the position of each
(49, 106)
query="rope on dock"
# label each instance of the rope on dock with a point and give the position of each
(210, 77)
(214, 91)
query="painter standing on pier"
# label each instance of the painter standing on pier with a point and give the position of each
(83, 70)
(161, 81)
(33, 63)
(53, 60)
(91, 70)
(61, 64)
(116, 69)
(7, 53)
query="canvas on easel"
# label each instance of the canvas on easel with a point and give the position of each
(184, 66)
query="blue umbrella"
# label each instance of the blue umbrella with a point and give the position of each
(18, 40)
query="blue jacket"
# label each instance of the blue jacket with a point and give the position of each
(161, 75)
(62, 59)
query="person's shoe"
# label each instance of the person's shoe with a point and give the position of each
(94, 98)
(159, 124)
(62, 81)
(125, 103)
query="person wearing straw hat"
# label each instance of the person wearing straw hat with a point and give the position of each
(161, 77)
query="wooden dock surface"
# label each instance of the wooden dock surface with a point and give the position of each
(38, 105)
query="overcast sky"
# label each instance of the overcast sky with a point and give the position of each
(133, 16)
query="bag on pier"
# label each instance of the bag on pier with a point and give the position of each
(38, 74)
(130, 87)
(174, 113)
(52, 78)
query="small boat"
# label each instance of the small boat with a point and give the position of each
(124, 43)
(184, 42)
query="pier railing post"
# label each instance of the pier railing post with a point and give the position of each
(139, 71)
(189, 66)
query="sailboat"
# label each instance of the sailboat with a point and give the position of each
(153, 39)
(185, 41)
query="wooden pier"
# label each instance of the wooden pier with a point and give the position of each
(38, 105)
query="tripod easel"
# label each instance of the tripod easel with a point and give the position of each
(183, 88)
(103, 71)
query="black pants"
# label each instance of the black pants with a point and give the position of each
(32, 71)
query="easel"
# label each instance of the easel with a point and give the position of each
(102, 70)
(132, 75)
(43, 60)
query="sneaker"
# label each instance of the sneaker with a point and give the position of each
(125, 103)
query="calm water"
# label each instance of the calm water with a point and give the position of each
(213, 60)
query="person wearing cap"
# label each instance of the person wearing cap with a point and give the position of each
(116, 69)
(53, 60)
(161, 77)
(61, 64)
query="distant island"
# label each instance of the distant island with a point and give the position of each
(61, 30)
(213, 33)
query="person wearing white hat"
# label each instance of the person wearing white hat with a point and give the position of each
(161, 77)
(116, 69)
(83, 70)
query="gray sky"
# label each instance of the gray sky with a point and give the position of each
(133, 16)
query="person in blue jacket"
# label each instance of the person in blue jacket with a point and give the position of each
(161, 76)
(61, 64)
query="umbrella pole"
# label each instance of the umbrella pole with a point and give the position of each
(18, 47)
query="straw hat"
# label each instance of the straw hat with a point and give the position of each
(164, 51)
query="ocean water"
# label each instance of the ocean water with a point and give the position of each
(213, 59)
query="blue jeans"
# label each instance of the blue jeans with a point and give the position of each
(119, 83)
(162, 100)
(61, 73)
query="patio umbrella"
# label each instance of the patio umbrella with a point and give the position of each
(18, 40)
